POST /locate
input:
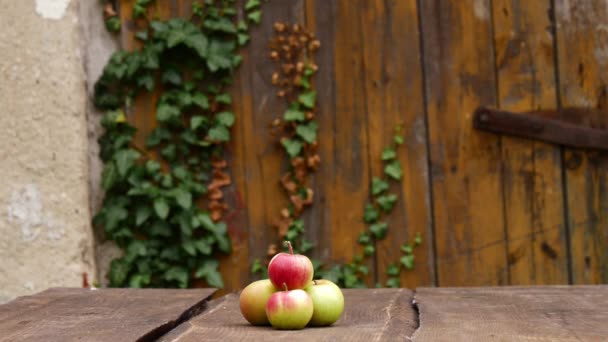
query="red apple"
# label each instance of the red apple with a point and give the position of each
(289, 309)
(327, 301)
(293, 270)
(253, 301)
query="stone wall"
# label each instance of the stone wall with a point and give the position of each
(47, 147)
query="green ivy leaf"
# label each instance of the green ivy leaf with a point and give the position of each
(208, 270)
(219, 133)
(378, 186)
(251, 4)
(393, 282)
(203, 246)
(363, 269)
(364, 238)
(255, 16)
(118, 273)
(172, 76)
(220, 54)
(109, 176)
(243, 38)
(198, 42)
(306, 246)
(183, 198)
(160, 228)
(221, 236)
(175, 38)
(389, 154)
(223, 98)
(418, 239)
(178, 274)
(308, 132)
(370, 214)
(142, 35)
(392, 270)
(407, 261)
(407, 248)
(221, 24)
(161, 207)
(369, 250)
(141, 214)
(139, 280)
(113, 24)
(189, 247)
(197, 121)
(225, 118)
(242, 26)
(293, 113)
(308, 98)
(398, 140)
(125, 159)
(166, 112)
(393, 170)
(379, 230)
(292, 146)
(200, 100)
(386, 202)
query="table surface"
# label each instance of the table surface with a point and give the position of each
(545, 313)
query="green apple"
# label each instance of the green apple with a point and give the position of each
(289, 309)
(253, 301)
(327, 300)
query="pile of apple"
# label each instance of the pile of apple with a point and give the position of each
(290, 299)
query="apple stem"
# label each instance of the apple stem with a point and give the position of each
(285, 286)
(288, 244)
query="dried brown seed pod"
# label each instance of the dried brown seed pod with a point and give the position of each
(275, 78)
(310, 115)
(300, 66)
(274, 55)
(315, 44)
(281, 93)
(279, 27)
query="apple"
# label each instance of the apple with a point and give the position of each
(253, 301)
(327, 301)
(293, 270)
(289, 309)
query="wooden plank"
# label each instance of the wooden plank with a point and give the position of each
(347, 186)
(320, 19)
(235, 268)
(532, 182)
(583, 75)
(465, 165)
(262, 155)
(558, 313)
(393, 89)
(369, 315)
(69, 314)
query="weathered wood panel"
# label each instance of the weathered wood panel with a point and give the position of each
(68, 314)
(533, 197)
(369, 315)
(465, 164)
(491, 209)
(583, 74)
(559, 313)
(394, 97)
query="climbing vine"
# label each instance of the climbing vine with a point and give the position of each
(163, 202)
(375, 214)
(293, 49)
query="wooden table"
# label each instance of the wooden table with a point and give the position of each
(557, 313)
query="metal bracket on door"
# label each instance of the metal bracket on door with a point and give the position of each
(572, 127)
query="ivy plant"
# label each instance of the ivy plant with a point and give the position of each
(163, 201)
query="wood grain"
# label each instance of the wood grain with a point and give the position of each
(393, 92)
(558, 313)
(320, 19)
(465, 165)
(69, 314)
(369, 315)
(532, 180)
(350, 178)
(583, 70)
(262, 157)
